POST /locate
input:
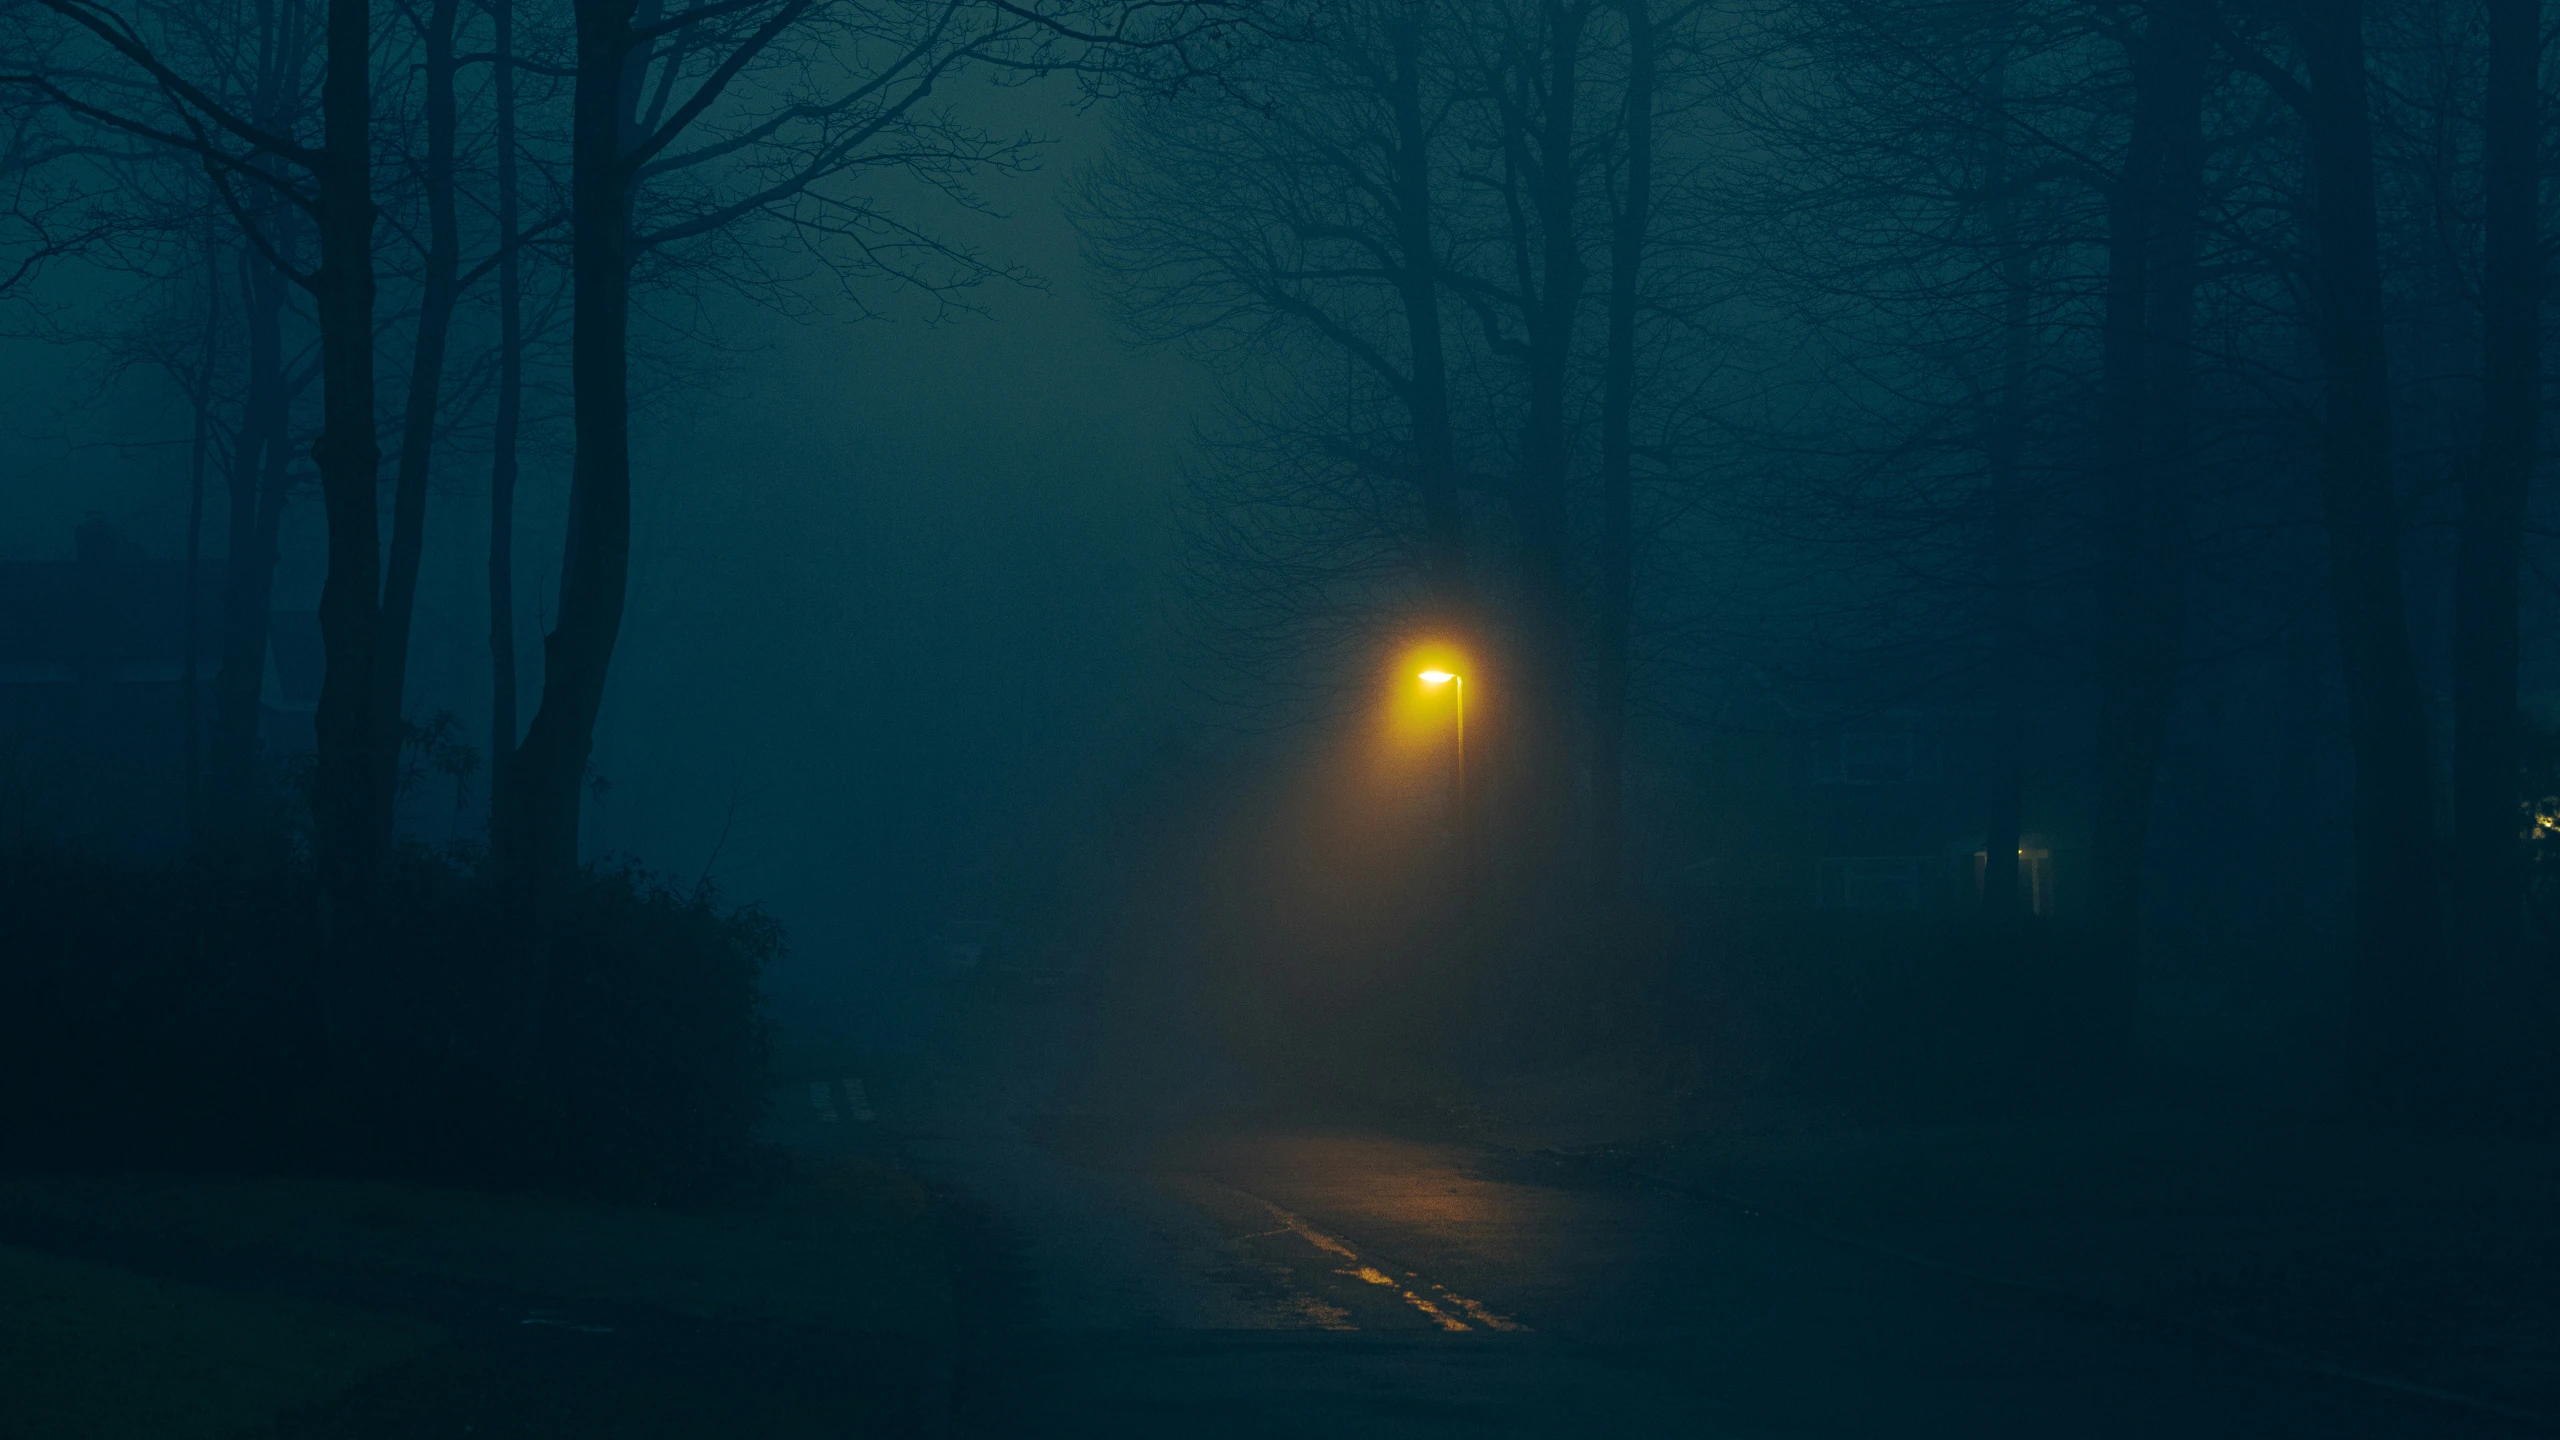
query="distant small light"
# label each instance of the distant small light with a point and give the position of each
(1437, 677)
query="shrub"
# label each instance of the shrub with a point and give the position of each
(158, 1013)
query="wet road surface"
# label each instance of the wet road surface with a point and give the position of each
(1258, 1280)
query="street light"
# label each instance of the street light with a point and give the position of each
(1434, 680)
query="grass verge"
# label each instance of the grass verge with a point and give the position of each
(92, 1352)
(177, 1306)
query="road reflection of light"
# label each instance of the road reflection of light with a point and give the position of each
(1359, 1269)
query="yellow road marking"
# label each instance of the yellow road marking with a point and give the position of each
(1374, 1276)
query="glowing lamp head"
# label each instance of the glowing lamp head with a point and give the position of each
(1436, 677)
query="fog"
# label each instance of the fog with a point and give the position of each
(897, 632)
(1537, 717)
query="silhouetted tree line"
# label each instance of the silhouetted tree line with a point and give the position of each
(1994, 345)
(365, 217)
(151, 1017)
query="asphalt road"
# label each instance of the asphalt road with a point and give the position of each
(1210, 1280)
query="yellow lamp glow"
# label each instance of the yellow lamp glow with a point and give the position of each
(1436, 677)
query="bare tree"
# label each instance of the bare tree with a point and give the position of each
(1291, 216)
(506, 437)
(2401, 1002)
(253, 64)
(114, 71)
(698, 127)
(1922, 213)
(1630, 227)
(2146, 387)
(1525, 66)
(440, 283)
(49, 213)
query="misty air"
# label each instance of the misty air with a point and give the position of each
(1278, 718)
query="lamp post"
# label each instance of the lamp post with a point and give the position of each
(1457, 683)
(1476, 1022)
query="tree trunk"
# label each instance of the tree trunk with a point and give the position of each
(261, 471)
(1617, 465)
(418, 423)
(1418, 286)
(190, 706)
(545, 780)
(260, 466)
(348, 459)
(1538, 703)
(2398, 1037)
(2004, 793)
(2151, 279)
(1435, 465)
(503, 440)
(2487, 858)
